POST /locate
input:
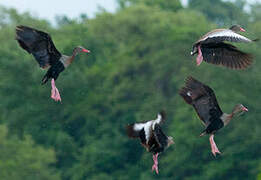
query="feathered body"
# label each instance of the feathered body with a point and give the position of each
(151, 136)
(41, 46)
(204, 101)
(212, 48)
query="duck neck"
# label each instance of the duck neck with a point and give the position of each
(226, 118)
(72, 57)
(74, 54)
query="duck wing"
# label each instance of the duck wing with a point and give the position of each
(203, 99)
(39, 44)
(226, 55)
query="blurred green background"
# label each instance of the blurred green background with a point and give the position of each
(140, 58)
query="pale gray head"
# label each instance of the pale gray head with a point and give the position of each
(170, 141)
(236, 28)
(239, 108)
(79, 49)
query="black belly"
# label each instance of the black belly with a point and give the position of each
(158, 141)
(53, 71)
(214, 126)
(156, 148)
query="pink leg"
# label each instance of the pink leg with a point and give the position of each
(155, 165)
(199, 57)
(214, 148)
(55, 93)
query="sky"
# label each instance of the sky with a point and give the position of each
(48, 9)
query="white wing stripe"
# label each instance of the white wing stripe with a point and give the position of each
(227, 33)
(148, 126)
(157, 121)
(147, 130)
(138, 126)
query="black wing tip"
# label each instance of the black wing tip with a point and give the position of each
(245, 61)
(44, 80)
(189, 81)
(203, 133)
(20, 28)
(241, 63)
(191, 84)
(130, 131)
(255, 40)
(183, 93)
(231, 58)
(163, 114)
(246, 64)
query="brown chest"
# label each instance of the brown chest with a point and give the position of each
(66, 60)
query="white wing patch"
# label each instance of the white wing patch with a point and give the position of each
(227, 33)
(147, 130)
(138, 126)
(148, 126)
(157, 121)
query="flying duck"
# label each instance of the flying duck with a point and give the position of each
(212, 48)
(151, 136)
(41, 46)
(204, 101)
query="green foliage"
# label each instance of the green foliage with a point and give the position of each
(259, 175)
(22, 159)
(140, 58)
(256, 11)
(172, 5)
(222, 12)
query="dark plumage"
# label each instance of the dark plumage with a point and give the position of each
(204, 101)
(225, 55)
(150, 133)
(212, 49)
(41, 46)
(53, 72)
(151, 136)
(159, 141)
